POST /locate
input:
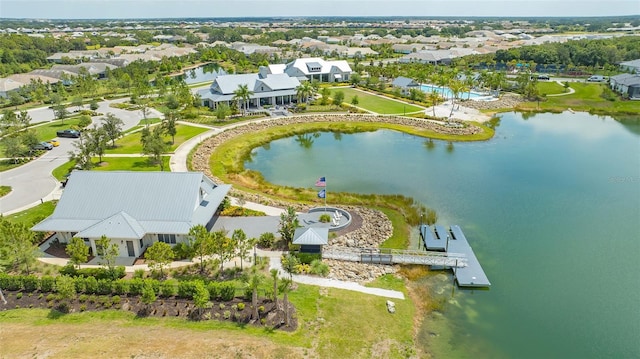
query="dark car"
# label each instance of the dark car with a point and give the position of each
(68, 133)
(43, 146)
(543, 77)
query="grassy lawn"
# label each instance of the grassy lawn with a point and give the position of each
(550, 88)
(48, 131)
(4, 190)
(588, 97)
(6, 165)
(131, 143)
(325, 315)
(377, 104)
(142, 123)
(34, 214)
(130, 164)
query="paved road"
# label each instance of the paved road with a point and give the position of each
(33, 182)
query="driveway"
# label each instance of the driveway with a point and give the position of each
(33, 182)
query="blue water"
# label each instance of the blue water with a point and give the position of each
(205, 73)
(551, 206)
(447, 94)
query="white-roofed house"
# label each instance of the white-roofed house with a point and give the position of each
(316, 68)
(134, 209)
(268, 89)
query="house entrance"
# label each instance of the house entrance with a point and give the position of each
(130, 249)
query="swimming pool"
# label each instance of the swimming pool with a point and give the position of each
(446, 93)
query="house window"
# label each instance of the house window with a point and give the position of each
(141, 246)
(167, 238)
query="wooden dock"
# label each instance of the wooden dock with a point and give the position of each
(437, 238)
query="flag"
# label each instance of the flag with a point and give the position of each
(322, 193)
(321, 182)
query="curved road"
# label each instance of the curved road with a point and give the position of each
(33, 183)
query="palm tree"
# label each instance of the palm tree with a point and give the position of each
(456, 87)
(285, 287)
(243, 95)
(304, 91)
(254, 282)
(434, 98)
(274, 276)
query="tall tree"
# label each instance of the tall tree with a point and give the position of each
(201, 243)
(154, 145)
(285, 287)
(200, 297)
(243, 244)
(97, 141)
(242, 94)
(107, 250)
(253, 282)
(17, 248)
(77, 251)
(113, 126)
(169, 125)
(338, 98)
(288, 224)
(159, 256)
(434, 97)
(304, 91)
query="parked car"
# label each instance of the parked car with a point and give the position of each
(68, 133)
(43, 146)
(54, 143)
(543, 77)
(596, 78)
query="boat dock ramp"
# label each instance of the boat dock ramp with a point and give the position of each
(438, 238)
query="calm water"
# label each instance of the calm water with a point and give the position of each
(446, 92)
(551, 206)
(199, 74)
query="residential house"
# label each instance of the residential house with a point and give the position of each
(626, 84)
(133, 209)
(7, 85)
(632, 66)
(405, 84)
(315, 68)
(267, 88)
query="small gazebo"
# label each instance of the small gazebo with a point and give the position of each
(311, 239)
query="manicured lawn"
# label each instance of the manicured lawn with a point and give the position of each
(375, 103)
(34, 214)
(61, 171)
(550, 88)
(142, 123)
(588, 97)
(4, 190)
(6, 165)
(48, 131)
(131, 142)
(130, 164)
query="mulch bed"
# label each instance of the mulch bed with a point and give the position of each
(271, 316)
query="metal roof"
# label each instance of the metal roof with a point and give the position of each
(403, 82)
(279, 82)
(152, 202)
(120, 225)
(311, 236)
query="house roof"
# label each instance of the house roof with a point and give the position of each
(305, 64)
(223, 86)
(632, 63)
(311, 236)
(626, 79)
(131, 203)
(403, 82)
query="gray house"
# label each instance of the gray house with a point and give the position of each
(311, 239)
(626, 84)
(268, 89)
(315, 68)
(405, 84)
(133, 209)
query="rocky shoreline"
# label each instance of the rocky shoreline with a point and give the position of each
(506, 100)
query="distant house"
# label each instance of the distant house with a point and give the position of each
(631, 66)
(7, 85)
(315, 68)
(626, 84)
(268, 89)
(405, 84)
(133, 209)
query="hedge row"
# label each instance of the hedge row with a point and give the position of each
(98, 273)
(223, 291)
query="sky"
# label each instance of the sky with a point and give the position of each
(130, 9)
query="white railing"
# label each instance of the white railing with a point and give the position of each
(397, 256)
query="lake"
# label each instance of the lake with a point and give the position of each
(204, 73)
(551, 206)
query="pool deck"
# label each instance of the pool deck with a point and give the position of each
(435, 238)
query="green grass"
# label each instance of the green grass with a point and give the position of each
(589, 98)
(401, 230)
(550, 88)
(6, 165)
(327, 325)
(61, 171)
(48, 131)
(34, 214)
(4, 190)
(377, 104)
(130, 144)
(143, 123)
(130, 164)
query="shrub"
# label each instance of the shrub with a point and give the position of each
(135, 286)
(222, 306)
(80, 285)
(226, 314)
(138, 273)
(10, 282)
(181, 251)
(214, 290)
(307, 258)
(19, 295)
(83, 307)
(120, 287)
(91, 285)
(51, 297)
(105, 286)
(186, 289)
(168, 288)
(325, 218)
(319, 268)
(83, 298)
(261, 309)
(302, 268)
(46, 284)
(115, 299)
(227, 291)
(30, 283)
(241, 306)
(266, 240)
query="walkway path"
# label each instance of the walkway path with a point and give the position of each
(571, 90)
